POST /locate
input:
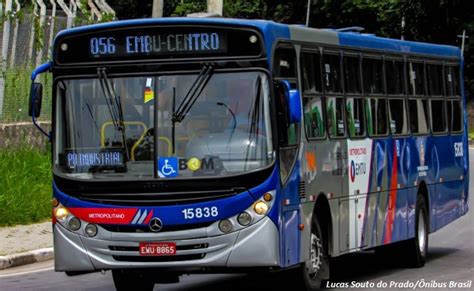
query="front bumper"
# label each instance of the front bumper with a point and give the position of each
(254, 246)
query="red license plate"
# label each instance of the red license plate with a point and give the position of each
(157, 249)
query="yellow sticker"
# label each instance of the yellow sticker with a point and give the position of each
(194, 164)
(148, 95)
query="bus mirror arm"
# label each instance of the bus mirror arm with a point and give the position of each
(36, 96)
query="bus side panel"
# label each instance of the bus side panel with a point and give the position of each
(447, 169)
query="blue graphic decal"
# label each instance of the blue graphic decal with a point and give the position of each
(168, 167)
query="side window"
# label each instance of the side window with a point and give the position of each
(355, 117)
(434, 74)
(335, 116)
(312, 98)
(455, 115)
(438, 116)
(285, 63)
(418, 116)
(285, 69)
(394, 73)
(352, 75)
(311, 63)
(332, 73)
(452, 81)
(376, 114)
(313, 117)
(416, 79)
(373, 76)
(398, 116)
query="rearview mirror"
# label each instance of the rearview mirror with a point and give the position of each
(36, 98)
(293, 102)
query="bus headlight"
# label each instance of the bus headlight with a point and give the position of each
(225, 226)
(244, 218)
(260, 207)
(61, 213)
(91, 230)
(74, 223)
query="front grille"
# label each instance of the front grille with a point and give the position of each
(145, 229)
(158, 259)
(160, 199)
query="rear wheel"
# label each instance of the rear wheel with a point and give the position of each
(130, 280)
(418, 246)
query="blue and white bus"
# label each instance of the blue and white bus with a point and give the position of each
(186, 145)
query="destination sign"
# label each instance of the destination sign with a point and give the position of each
(157, 43)
(175, 43)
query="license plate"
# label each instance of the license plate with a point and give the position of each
(157, 249)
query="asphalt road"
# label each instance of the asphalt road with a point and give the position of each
(450, 260)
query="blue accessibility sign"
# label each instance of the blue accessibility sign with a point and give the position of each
(167, 167)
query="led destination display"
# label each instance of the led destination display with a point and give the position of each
(175, 43)
(157, 43)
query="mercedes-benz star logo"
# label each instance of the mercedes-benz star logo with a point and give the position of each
(155, 224)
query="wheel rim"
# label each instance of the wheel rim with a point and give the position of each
(316, 254)
(421, 232)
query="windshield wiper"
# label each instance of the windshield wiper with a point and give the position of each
(114, 105)
(193, 93)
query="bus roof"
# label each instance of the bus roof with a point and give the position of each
(273, 31)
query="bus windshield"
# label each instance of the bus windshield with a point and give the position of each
(123, 128)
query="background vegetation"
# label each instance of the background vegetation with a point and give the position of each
(25, 195)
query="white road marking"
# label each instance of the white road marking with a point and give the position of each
(26, 272)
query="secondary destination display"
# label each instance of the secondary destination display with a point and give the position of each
(157, 43)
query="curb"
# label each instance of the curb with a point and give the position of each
(25, 258)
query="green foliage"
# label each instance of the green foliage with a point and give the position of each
(187, 7)
(250, 9)
(25, 194)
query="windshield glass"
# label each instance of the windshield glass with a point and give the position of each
(110, 128)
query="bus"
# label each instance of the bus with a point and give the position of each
(191, 145)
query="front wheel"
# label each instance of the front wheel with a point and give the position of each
(312, 273)
(130, 280)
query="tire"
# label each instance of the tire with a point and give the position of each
(129, 280)
(310, 274)
(417, 247)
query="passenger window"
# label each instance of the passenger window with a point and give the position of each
(418, 116)
(355, 117)
(395, 77)
(452, 81)
(438, 116)
(313, 117)
(434, 74)
(352, 74)
(398, 116)
(416, 79)
(376, 114)
(335, 116)
(285, 63)
(373, 76)
(311, 72)
(455, 115)
(332, 74)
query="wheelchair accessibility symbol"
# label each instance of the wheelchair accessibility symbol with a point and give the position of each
(168, 167)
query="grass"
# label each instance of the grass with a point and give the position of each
(25, 186)
(471, 133)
